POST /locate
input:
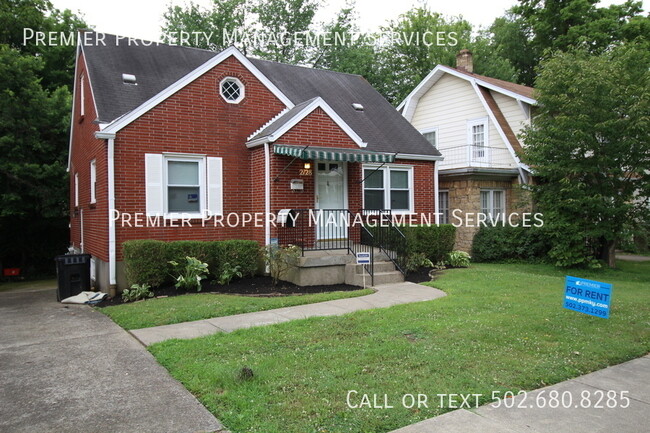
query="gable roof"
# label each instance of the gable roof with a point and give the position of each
(516, 91)
(161, 70)
(289, 118)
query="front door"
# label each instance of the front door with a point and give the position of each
(330, 199)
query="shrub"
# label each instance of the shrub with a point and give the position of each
(458, 259)
(507, 243)
(145, 262)
(280, 260)
(416, 261)
(136, 292)
(228, 273)
(242, 253)
(435, 242)
(192, 271)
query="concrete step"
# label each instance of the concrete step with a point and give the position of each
(380, 278)
(379, 267)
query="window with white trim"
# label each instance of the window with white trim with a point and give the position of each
(231, 90)
(493, 203)
(477, 138)
(93, 181)
(182, 185)
(76, 189)
(443, 206)
(388, 187)
(431, 136)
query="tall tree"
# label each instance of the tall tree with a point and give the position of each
(533, 27)
(590, 150)
(290, 17)
(34, 122)
(226, 16)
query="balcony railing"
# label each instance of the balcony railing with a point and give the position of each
(476, 156)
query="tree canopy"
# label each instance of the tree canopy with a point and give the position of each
(590, 151)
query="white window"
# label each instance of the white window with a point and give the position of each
(182, 185)
(388, 187)
(76, 189)
(93, 181)
(443, 206)
(82, 95)
(493, 203)
(232, 90)
(432, 136)
(477, 138)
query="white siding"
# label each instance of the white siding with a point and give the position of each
(448, 105)
(512, 112)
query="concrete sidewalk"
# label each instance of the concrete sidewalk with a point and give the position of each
(387, 295)
(71, 369)
(578, 416)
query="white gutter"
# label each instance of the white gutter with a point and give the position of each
(436, 192)
(267, 195)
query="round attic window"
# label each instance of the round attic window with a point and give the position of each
(232, 90)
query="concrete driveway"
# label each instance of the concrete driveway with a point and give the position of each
(71, 369)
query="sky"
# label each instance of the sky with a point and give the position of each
(143, 18)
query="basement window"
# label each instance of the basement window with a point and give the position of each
(231, 90)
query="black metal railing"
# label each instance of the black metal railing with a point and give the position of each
(388, 238)
(341, 229)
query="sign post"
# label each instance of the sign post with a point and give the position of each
(363, 258)
(588, 297)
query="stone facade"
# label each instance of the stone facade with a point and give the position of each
(465, 203)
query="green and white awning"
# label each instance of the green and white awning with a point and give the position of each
(332, 153)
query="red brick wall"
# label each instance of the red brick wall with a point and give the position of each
(85, 147)
(197, 120)
(318, 129)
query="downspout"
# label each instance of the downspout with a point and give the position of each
(267, 195)
(112, 256)
(436, 192)
(110, 162)
(81, 230)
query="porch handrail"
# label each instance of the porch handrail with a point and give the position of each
(389, 239)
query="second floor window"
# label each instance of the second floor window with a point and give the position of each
(477, 137)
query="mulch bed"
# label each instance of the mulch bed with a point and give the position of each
(254, 286)
(422, 275)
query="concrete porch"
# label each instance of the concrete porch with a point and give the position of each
(339, 267)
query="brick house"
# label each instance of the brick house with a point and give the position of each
(164, 136)
(474, 120)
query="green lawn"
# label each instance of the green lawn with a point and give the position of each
(502, 327)
(185, 308)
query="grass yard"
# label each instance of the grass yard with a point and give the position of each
(185, 308)
(502, 327)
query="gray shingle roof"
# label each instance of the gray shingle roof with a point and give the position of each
(282, 120)
(159, 65)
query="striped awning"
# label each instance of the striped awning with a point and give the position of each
(332, 153)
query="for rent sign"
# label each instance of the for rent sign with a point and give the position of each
(588, 297)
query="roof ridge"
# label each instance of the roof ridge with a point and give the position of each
(329, 71)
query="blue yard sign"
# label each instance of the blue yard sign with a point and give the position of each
(363, 258)
(588, 297)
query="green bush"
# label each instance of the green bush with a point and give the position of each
(189, 273)
(147, 261)
(137, 292)
(435, 242)
(458, 259)
(507, 243)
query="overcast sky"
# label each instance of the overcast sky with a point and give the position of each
(143, 18)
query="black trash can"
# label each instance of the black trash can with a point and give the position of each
(73, 274)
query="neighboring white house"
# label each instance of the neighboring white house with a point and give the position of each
(474, 122)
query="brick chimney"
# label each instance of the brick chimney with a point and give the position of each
(464, 61)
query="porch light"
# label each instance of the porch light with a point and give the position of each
(307, 165)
